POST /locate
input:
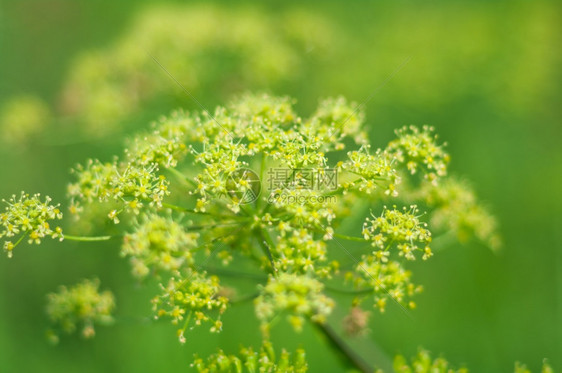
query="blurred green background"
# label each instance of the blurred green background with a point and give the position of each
(487, 75)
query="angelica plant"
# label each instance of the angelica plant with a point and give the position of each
(254, 185)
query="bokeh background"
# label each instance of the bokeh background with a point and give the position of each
(76, 77)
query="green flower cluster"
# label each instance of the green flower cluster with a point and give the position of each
(128, 185)
(79, 307)
(21, 119)
(456, 208)
(188, 299)
(402, 229)
(268, 190)
(418, 151)
(423, 363)
(251, 361)
(388, 281)
(107, 86)
(161, 243)
(293, 224)
(300, 296)
(27, 216)
(375, 171)
(522, 368)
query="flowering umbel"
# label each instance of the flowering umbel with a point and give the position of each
(27, 217)
(180, 191)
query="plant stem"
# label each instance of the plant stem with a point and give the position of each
(344, 350)
(349, 238)
(265, 244)
(88, 238)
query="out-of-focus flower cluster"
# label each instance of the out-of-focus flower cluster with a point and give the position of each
(300, 296)
(79, 307)
(253, 361)
(423, 363)
(161, 243)
(21, 119)
(106, 87)
(455, 207)
(28, 217)
(188, 300)
(522, 368)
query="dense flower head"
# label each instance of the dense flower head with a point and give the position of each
(375, 171)
(28, 217)
(299, 251)
(128, 185)
(253, 361)
(390, 282)
(299, 296)
(273, 187)
(418, 151)
(161, 243)
(79, 307)
(189, 299)
(255, 187)
(402, 229)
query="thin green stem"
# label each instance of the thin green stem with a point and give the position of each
(265, 243)
(349, 238)
(88, 238)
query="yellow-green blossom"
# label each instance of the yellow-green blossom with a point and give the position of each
(28, 217)
(250, 361)
(189, 299)
(129, 185)
(401, 229)
(418, 151)
(80, 307)
(423, 363)
(300, 296)
(161, 243)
